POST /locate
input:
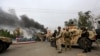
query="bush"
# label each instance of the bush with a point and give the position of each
(6, 33)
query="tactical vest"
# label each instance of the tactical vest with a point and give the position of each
(67, 34)
(58, 32)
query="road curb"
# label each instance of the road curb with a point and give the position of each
(28, 42)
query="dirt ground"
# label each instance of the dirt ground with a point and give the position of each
(44, 49)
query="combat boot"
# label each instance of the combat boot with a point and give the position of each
(89, 49)
(59, 51)
(85, 51)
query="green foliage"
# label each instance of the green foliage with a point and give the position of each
(84, 20)
(6, 33)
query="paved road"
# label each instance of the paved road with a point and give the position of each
(44, 49)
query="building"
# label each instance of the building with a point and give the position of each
(97, 21)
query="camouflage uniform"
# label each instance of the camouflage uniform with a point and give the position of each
(63, 36)
(67, 40)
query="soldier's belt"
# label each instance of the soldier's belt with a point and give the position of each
(58, 38)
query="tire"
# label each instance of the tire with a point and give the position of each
(2, 47)
(82, 42)
(6, 46)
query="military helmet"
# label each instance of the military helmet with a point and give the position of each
(84, 28)
(59, 27)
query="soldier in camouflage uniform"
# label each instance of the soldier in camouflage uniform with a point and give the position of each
(67, 39)
(63, 36)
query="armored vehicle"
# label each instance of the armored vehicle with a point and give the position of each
(5, 42)
(76, 36)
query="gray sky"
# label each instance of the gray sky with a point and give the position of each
(51, 13)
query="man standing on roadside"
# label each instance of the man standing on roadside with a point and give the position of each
(67, 39)
(58, 40)
(87, 42)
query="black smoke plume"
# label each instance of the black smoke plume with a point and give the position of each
(12, 20)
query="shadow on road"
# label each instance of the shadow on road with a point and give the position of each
(11, 49)
(77, 47)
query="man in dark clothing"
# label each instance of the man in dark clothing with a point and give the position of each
(87, 42)
(53, 40)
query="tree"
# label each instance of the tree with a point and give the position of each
(84, 19)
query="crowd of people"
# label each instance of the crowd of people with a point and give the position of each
(64, 36)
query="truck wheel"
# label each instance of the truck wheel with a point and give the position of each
(7, 46)
(1, 47)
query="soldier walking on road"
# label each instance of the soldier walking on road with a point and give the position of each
(67, 39)
(58, 40)
(53, 40)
